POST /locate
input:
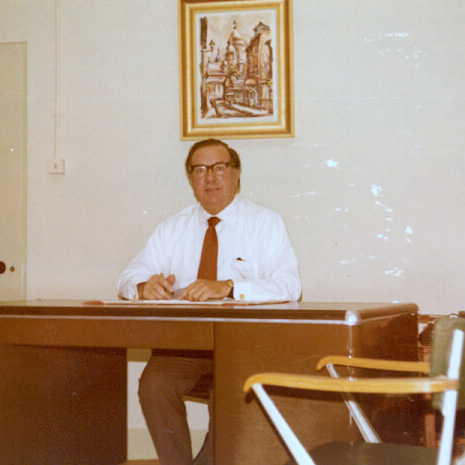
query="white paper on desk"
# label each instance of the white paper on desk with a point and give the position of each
(227, 301)
(173, 302)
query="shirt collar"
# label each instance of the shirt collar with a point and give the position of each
(227, 215)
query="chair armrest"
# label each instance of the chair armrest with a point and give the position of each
(362, 385)
(375, 364)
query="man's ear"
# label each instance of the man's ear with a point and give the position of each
(238, 180)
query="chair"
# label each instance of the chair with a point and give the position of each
(443, 376)
(201, 391)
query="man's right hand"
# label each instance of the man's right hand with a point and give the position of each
(157, 288)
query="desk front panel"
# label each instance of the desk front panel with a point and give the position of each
(107, 332)
(62, 405)
(247, 348)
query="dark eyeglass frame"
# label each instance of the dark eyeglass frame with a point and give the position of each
(194, 169)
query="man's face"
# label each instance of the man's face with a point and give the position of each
(214, 191)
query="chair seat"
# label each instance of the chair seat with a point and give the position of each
(201, 391)
(362, 453)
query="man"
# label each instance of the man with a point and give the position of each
(252, 260)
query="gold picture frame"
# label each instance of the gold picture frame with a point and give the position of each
(236, 69)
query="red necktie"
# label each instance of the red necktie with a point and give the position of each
(209, 257)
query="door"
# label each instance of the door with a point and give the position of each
(13, 207)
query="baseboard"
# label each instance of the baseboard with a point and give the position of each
(140, 445)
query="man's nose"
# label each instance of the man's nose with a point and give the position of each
(210, 173)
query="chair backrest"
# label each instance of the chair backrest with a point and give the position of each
(442, 338)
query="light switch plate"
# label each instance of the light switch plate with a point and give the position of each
(56, 166)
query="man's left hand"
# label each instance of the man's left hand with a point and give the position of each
(202, 290)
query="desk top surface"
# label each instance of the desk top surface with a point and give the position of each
(347, 312)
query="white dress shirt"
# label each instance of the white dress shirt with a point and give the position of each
(254, 251)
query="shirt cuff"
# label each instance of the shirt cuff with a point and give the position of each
(130, 293)
(242, 291)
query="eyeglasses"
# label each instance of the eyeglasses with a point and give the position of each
(217, 168)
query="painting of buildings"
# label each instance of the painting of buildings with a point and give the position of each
(236, 71)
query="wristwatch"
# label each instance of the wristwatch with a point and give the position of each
(230, 283)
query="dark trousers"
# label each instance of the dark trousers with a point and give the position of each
(168, 376)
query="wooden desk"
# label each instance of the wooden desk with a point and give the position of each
(63, 371)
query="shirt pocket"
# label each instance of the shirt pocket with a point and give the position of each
(242, 269)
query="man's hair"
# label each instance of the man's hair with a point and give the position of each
(233, 155)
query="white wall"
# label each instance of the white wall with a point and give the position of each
(371, 187)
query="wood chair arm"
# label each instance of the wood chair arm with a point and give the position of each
(362, 385)
(375, 364)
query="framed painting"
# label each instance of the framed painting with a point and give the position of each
(236, 70)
